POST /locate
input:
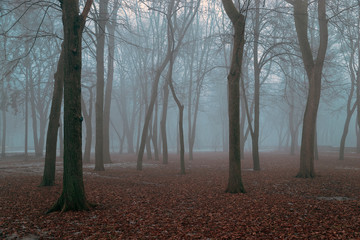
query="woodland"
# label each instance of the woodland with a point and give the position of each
(179, 119)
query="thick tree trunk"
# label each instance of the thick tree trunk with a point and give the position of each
(235, 184)
(73, 193)
(48, 178)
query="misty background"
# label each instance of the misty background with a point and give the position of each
(31, 36)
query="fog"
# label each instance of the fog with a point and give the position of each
(31, 36)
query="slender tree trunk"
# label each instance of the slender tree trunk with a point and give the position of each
(88, 124)
(181, 114)
(34, 118)
(316, 148)
(48, 178)
(109, 84)
(3, 139)
(28, 69)
(345, 132)
(149, 112)
(61, 139)
(100, 47)
(155, 132)
(255, 135)
(171, 51)
(163, 122)
(292, 129)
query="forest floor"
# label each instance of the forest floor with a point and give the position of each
(158, 203)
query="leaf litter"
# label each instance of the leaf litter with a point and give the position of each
(159, 203)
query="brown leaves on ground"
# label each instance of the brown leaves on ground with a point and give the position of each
(159, 203)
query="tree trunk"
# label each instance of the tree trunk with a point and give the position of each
(27, 73)
(109, 83)
(181, 113)
(3, 139)
(61, 139)
(163, 123)
(314, 72)
(235, 184)
(88, 124)
(149, 112)
(73, 193)
(48, 178)
(34, 118)
(154, 135)
(99, 106)
(255, 135)
(171, 52)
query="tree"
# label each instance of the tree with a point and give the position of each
(235, 184)
(87, 117)
(48, 178)
(109, 83)
(172, 50)
(73, 193)
(99, 105)
(313, 70)
(349, 37)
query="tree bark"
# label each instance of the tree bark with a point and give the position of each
(163, 122)
(3, 139)
(99, 105)
(73, 193)
(314, 72)
(235, 184)
(87, 117)
(48, 178)
(171, 52)
(109, 83)
(255, 134)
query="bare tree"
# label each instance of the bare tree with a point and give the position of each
(48, 178)
(172, 50)
(99, 104)
(314, 73)
(73, 193)
(237, 18)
